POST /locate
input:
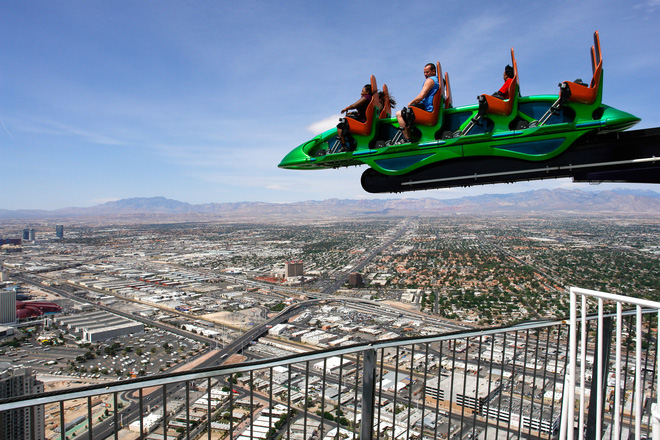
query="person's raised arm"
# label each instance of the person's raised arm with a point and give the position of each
(355, 105)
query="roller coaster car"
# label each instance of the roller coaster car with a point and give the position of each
(530, 129)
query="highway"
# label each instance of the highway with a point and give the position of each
(343, 276)
(131, 411)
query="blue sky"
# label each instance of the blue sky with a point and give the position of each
(198, 101)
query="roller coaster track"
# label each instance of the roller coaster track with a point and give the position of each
(630, 156)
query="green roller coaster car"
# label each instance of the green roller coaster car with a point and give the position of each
(531, 128)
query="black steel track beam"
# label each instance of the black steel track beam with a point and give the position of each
(630, 156)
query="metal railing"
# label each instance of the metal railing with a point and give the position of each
(633, 406)
(507, 382)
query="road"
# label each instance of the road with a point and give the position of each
(343, 276)
(131, 411)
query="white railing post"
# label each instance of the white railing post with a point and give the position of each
(563, 428)
(655, 416)
(617, 380)
(573, 364)
(638, 374)
(655, 409)
(602, 367)
(583, 366)
(567, 430)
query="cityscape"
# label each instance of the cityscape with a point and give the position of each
(99, 303)
(192, 247)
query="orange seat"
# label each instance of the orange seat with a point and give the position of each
(448, 98)
(386, 112)
(582, 94)
(504, 107)
(364, 128)
(422, 117)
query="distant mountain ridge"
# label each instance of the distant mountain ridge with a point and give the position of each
(557, 200)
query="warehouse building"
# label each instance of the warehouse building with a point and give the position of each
(100, 326)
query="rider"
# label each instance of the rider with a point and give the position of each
(424, 100)
(360, 114)
(503, 92)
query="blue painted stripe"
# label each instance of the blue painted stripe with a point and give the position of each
(432, 144)
(362, 153)
(400, 163)
(533, 147)
(507, 133)
(589, 124)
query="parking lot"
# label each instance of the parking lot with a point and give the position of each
(131, 356)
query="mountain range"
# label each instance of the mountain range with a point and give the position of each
(537, 201)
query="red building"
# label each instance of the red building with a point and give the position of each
(34, 309)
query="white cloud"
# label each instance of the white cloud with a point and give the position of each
(59, 129)
(323, 125)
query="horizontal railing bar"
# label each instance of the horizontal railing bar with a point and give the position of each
(617, 298)
(210, 372)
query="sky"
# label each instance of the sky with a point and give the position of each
(199, 101)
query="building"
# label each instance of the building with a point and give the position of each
(59, 231)
(6, 331)
(15, 424)
(26, 234)
(469, 392)
(10, 241)
(35, 309)
(7, 306)
(99, 326)
(355, 279)
(516, 413)
(293, 269)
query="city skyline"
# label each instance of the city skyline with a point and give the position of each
(211, 294)
(620, 201)
(199, 103)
